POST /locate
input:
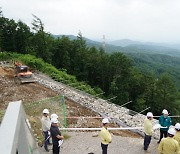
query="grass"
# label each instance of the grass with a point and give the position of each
(39, 65)
(34, 114)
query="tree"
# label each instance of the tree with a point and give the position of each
(121, 73)
(78, 57)
(39, 39)
(7, 30)
(22, 37)
(61, 50)
(1, 15)
(166, 93)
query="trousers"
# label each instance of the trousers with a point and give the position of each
(163, 134)
(46, 140)
(104, 148)
(56, 149)
(147, 140)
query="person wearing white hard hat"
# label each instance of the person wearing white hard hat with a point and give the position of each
(148, 130)
(46, 123)
(169, 145)
(56, 135)
(177, 135)
(54, 116)
(105, 136)
(164, 121)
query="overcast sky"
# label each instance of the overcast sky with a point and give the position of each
(143, 20)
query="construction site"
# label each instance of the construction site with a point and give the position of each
(82, 111)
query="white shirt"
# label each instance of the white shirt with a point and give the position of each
(46, 123)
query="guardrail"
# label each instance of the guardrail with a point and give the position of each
(15, 132)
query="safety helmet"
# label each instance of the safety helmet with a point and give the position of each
(149, 114)
(165, 111)
(54, 120)
(105, 121)
(177, 126)
(46, 111)
(171, 131)
(54, 116)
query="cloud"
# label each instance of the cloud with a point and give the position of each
(148, 20)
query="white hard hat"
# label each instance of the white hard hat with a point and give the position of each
(46, 111)
(54, 116)
(177, 126)
(54, 120)
(172, 131)
(165, 111)
(149, 114)
(105, 121)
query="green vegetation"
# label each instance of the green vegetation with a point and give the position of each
(39, 65)
(35, 108)
(113, 73)
(158, 64)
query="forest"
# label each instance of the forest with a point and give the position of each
(114, 73)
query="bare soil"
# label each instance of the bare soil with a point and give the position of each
(36, 97)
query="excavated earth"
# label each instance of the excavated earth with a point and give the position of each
(83, 142)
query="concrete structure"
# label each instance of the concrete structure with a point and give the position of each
(15, 132)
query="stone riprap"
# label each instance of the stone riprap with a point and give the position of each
(117, 114)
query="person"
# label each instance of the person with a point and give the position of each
(164, 121)
(177, 135)
(56, 135)
(46, 123)
(105, 136)
(148, 130)
(169, 145)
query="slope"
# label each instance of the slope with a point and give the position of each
(36, 97)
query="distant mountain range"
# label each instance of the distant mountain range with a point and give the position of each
(130, 46)
(146, 56)
(127, 42)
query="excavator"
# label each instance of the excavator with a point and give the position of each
(23, 73)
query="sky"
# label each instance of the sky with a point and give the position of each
(140, 20)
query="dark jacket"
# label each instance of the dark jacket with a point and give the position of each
(164, 122)
(54, 132)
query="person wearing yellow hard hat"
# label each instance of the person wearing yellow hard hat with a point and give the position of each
(169, 145)
(105, 136)
(177, 135)
(164, 121)
(148, 130)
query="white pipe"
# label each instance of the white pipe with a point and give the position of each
(125, 104)
(99, 94)
(83, 117)
(170, 116)
(142, 111)
(97, 117)
(111, 98)
(125, 128)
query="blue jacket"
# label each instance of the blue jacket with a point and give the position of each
(164, 122)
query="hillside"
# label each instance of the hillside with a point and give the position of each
(35, 97)
(158, 64)
(130, 46)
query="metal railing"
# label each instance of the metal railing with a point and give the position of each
(15, 132)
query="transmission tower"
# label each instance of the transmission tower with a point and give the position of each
(104, 43)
